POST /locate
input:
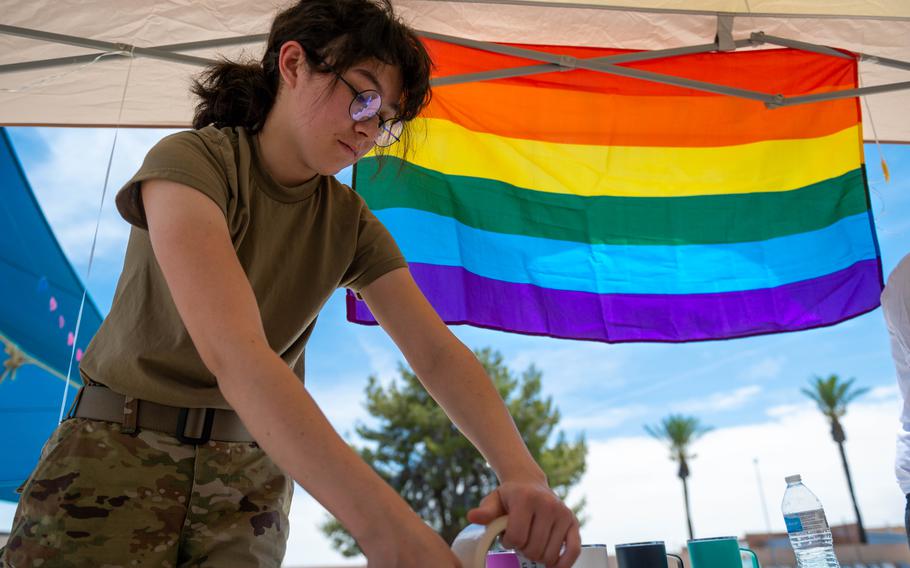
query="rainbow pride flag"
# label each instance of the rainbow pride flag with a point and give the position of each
(590, 206)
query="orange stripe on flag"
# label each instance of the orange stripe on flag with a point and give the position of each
(578, 117)
(773, 71)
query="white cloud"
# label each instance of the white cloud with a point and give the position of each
(602, 420)
(341, 401)
(713, 364)
(68, 183)
(883, 393)
(880, 395)
(719, 401)
(306, 544)
(382, 354)
(573, 367)
(633, 492)
(787, 409)
(767, 368)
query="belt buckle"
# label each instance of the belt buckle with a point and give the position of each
(206, 427)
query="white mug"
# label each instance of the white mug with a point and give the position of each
(592, 556)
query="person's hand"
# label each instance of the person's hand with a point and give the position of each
(410, 544)
(540, 526)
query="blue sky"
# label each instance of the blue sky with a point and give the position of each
(747, 389)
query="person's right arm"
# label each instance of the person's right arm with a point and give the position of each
(192, 245)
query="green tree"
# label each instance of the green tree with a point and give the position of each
(679, 432)
(832, 395)
(414, 447)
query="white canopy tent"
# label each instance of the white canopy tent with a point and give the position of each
(71, 64)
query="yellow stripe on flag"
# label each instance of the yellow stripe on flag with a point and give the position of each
(635, 171)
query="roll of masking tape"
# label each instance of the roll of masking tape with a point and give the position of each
(510, 559)
(472, 543)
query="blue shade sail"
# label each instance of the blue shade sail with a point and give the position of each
(40, 295)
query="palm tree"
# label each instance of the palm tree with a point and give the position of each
(832, 395)
(679, 432)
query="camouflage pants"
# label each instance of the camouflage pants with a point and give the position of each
(102, 499)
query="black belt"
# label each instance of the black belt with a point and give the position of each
(189, 425)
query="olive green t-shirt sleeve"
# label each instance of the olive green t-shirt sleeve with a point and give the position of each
(185, 157)
(376, 253)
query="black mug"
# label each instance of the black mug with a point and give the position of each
(644, 555)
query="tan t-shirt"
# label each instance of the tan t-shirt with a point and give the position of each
(297, 245)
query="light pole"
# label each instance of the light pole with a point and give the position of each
(764, 508)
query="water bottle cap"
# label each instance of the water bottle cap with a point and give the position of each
(793, 479)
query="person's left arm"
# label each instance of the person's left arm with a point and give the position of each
(539, 523)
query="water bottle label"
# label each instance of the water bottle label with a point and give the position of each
(793, 524)
(806, 521)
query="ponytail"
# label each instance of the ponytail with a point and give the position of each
(234, 94)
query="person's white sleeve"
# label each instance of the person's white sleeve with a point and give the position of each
(896, 308)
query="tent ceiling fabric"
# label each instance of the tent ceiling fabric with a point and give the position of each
(158, 94)
(874, 8)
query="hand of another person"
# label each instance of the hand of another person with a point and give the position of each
(540, 526)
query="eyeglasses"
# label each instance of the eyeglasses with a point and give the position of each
(365, 105)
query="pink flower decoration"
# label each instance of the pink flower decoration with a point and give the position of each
(53, 304)
(78, 354)
(61, 322)
(70, 339)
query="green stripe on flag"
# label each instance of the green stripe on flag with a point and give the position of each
(711, 219)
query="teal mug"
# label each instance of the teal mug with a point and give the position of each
(718, 552)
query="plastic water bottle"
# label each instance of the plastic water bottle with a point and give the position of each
(807, 526)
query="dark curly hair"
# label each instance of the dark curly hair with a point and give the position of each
(340, 32)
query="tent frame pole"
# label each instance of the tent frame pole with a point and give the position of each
(608, 65)
(550, 62)
(847, 93)
(566, 66)
(88, 58)
(164, 52)
(675, 11)
(761, 37)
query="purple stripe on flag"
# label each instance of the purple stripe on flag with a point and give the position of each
(461, 297)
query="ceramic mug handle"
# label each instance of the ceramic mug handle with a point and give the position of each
(755, 563)
(474, 541)
(678, 559)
